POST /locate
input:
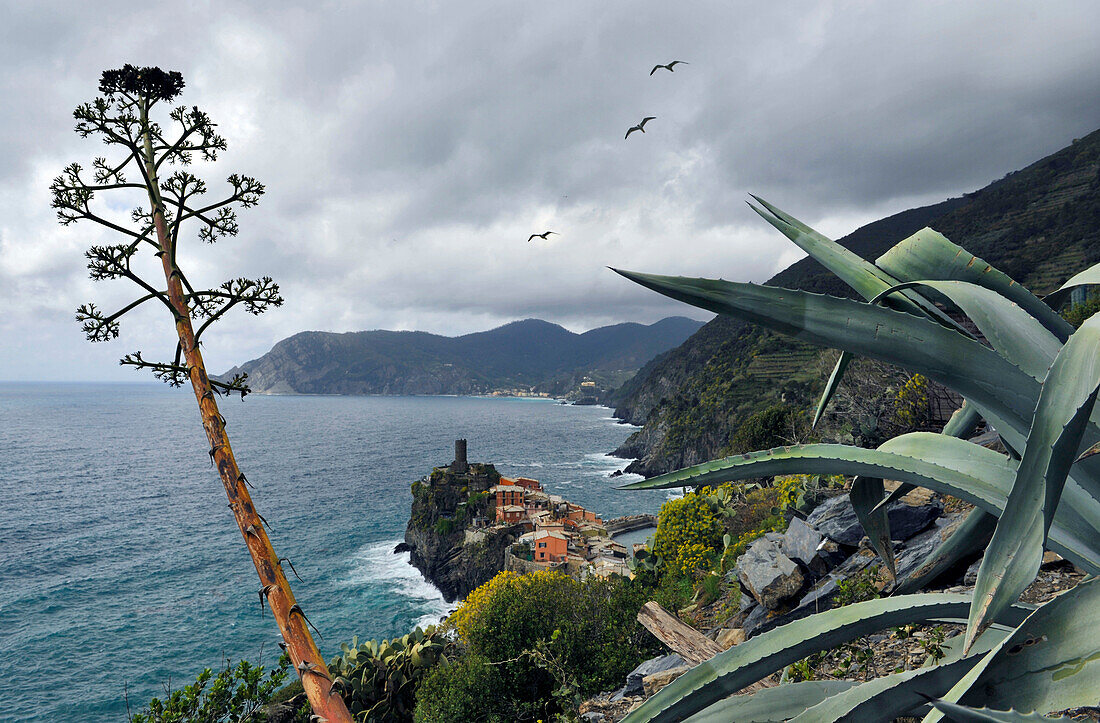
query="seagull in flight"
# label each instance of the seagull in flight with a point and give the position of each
(542, 235)
(640, 126)
(669, 66)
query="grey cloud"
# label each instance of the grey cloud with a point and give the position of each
(410, 149)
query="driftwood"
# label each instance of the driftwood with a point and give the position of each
(686, 641)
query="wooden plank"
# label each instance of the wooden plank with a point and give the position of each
(684, 640)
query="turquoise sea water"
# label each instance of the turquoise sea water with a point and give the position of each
(121, 569)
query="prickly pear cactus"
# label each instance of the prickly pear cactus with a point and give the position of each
(378, 680)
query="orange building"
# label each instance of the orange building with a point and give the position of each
(550, 546)
(510, 513)
(529, 484)
(508, 495)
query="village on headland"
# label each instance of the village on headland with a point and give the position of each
(508, 524)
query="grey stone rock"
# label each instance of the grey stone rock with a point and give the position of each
(769, 575)
(836, 519)
(913, 553)
(800, 543)
(593, 716)
(649, 667)
(907, 520)
(819, 598)
(755, 620)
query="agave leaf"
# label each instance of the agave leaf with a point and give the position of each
(928, 254)
(1018, 336)
(744, 664)
(830, 388)
(1000, 391)
(969, 538)
(1088, 277)
(972, 473)
(962, 424)
(965, 714)
(1016, 550)
(866, 493)
(1050, 662)
(771, 705)
(863, 276)
(975, 371)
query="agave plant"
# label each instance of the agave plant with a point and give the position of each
(1027, 374)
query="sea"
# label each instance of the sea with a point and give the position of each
(123, 575)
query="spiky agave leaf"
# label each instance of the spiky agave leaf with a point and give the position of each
(1050, 661)
(758, 657)
(999, 390)
(949, 465)
(973, 370)
(864, 277)
(1011, 331)
(831, 386)
(771, 705)
(865, 494)
(1065, 404)
(965, 714)
(928, 254)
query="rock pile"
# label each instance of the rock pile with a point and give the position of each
(787, 576)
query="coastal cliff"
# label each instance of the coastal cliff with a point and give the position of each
(445, 506)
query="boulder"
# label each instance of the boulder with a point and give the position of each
(971, 575)
(768, 574)
(907, 520)
(634, 684)
(915, 552)
(836, 519)
(803, 544)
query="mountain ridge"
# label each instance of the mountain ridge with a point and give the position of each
(525, 354)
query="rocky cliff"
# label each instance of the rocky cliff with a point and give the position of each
(445, 506)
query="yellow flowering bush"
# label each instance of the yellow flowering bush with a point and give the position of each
(911, 401)
(689, 534)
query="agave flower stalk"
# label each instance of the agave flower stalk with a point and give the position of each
(122, 117)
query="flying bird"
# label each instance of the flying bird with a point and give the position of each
(669, 66)
(542, 235)
(640, 126)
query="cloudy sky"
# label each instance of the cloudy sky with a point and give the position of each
(410, 148)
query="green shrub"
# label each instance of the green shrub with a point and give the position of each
(469, 689)
(234, 695)
(1077, 313)
(589, 628)
(772, 427)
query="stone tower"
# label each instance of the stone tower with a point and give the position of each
(460, 465)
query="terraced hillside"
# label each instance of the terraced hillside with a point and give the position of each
(1040, 225)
